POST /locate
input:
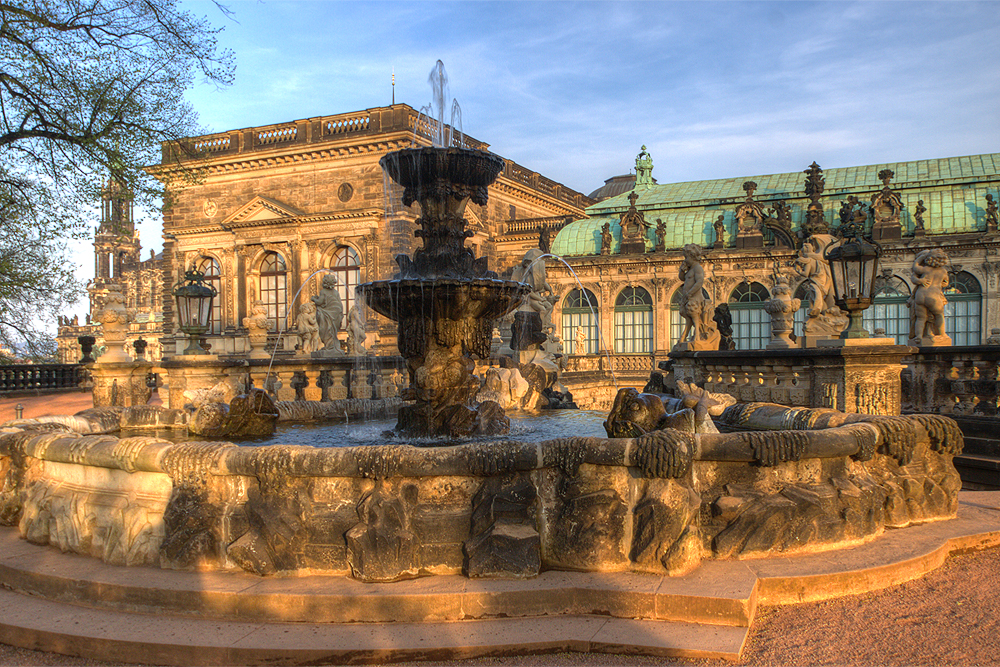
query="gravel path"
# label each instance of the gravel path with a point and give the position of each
(951, 617)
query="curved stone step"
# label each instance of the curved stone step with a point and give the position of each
(80, 606)
(716, 593)
(108, 635)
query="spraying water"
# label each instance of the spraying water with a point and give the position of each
(431, 121)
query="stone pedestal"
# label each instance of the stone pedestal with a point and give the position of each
(121, 384)
(202, 371)
(860, 378)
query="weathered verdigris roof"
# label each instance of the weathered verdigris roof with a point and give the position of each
(953, 190)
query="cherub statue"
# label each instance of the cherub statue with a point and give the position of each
(329, 312)
(309, 328)
(930, 276)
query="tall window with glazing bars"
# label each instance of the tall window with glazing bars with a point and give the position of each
(579, 311)
(634, 321)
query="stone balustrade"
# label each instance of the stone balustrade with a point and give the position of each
(288, 378)
(953, 380)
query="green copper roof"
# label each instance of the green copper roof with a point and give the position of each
(953, 190)
(583, 237)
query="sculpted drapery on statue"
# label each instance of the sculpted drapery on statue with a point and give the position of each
(930, 277)
(329, 313)
(696, 305)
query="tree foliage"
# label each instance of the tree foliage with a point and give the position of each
(88, 89)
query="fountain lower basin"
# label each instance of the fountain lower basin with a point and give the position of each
(660, 503)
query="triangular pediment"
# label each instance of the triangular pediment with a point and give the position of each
(260, 209)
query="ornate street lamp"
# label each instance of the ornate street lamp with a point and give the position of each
(853, 265)
(194, 307)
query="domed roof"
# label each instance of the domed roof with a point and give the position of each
(583, 237)
(614, 186)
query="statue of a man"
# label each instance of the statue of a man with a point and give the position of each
(696, 307)
(329, 312)
(930, 276)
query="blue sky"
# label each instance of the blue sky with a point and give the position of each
(574, 89)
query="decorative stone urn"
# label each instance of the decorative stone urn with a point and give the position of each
(114, 318)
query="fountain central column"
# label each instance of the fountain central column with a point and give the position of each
(444, 299)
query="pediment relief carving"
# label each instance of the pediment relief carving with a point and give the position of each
(259, 209)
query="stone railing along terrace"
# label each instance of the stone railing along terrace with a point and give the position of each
(41, 377)
(314, 132)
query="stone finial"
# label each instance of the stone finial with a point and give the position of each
(815, 222)
(257, 325)
(885, 176)
(782, 308)
(749, 187)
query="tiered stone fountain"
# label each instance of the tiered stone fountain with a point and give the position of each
(445, 299)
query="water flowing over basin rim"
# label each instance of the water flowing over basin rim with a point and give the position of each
(396, 297)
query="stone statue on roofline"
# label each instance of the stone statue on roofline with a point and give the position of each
(606, 238)
(700, 332)
(991, 214)
(930, 278)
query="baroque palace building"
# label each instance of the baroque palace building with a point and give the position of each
(625, 255)
(260, 210)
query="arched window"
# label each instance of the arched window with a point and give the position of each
(347, 267)
(580, 310)
(751, 324)
(634, 321)
(274, 288)
(676, 321)
(804, 293)
(962, 314)
(889, 311)
(213, 278)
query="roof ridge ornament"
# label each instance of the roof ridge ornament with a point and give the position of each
(643, 169)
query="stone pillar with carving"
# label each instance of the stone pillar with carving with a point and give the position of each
(782, 308)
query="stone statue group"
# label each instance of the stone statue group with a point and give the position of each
(320, 320)
(826, 320)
